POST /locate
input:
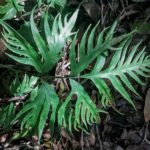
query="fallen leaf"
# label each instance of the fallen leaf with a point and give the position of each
(35, 138)
(47, 135)
(2, 48)
(124, 134)
(47, 145)
(147, 107)
(139, 147)
(36, 147)
(118, 148)
(3, 138)
(65, 134)
(93, 10)
(91, 139)
(57, 146)
(75, 144)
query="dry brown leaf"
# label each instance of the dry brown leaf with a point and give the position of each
(3, 138)
(65, 134)
(147, 106)
(93, 10)
(2, 48)
(35, 138)
(57, 146)
(139, 147)
(124, 134)
(91, 139)
(47, 135)
(47, 145)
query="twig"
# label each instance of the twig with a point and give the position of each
(82, 145)
(145, 133)
(13, 99)
(36, 10)
(126, 14)
(99, 138)
(88, 144)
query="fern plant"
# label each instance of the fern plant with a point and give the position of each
(10, 9)
(45, 55)
(35, 112)
(52, 3)
(76, 111)
(120, 66)
(26, 86)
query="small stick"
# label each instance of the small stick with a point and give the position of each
(13, 99)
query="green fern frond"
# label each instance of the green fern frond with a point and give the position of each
(46, 53)
(52, 3)
(35, 112)
(85, 112)
(9, 10)
(7, 115)
(104, 91)
(91, 46)
(60, 3)
(121, 66)
(22, 51)
(87, 51)
(59, 33)
(27, 85)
